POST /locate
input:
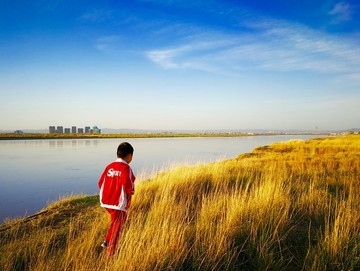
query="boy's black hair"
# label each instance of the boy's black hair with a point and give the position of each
(124, 149)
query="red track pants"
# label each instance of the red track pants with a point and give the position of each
(117, 221)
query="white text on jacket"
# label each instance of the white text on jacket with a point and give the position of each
(111, 173)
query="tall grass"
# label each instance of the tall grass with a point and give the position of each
(288, 206)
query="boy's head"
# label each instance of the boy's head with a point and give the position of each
(125, 151)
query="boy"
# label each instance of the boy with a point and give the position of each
(116, 186)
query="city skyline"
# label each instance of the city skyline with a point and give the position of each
(59, 129)
(180, 65)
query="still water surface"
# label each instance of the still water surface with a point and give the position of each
(34, 173)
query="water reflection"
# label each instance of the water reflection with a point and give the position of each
(71, 142)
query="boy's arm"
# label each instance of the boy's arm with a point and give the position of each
(101, 179)
(129, 182)
(128, 185)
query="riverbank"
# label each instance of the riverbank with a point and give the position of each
(287, 206)
(11, 136)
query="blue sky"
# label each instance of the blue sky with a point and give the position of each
(187, 65)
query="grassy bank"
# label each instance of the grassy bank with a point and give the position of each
(85, 136)
(11, 136)
(288, 206)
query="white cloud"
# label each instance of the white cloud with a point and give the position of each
(273, 45)
(165, 58)
(188, 56)
(341, 12)
(105, 43)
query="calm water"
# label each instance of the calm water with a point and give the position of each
(34, 173)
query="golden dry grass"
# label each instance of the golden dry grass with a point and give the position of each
(288, 206)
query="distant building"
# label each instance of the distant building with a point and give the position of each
(60, 129)
(73, 130)
(52, 130)
(96, 130)
(18, 132)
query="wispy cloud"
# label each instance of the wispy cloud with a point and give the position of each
(106, 43)
(270, 45)
(193, 55)
(96, 16)
(341, 12)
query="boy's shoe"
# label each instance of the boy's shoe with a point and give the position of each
(105, 244)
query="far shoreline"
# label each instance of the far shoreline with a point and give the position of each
(44, 136)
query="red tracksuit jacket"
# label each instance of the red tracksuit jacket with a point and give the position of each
(116, 185)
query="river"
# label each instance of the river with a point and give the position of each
(35, 173)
